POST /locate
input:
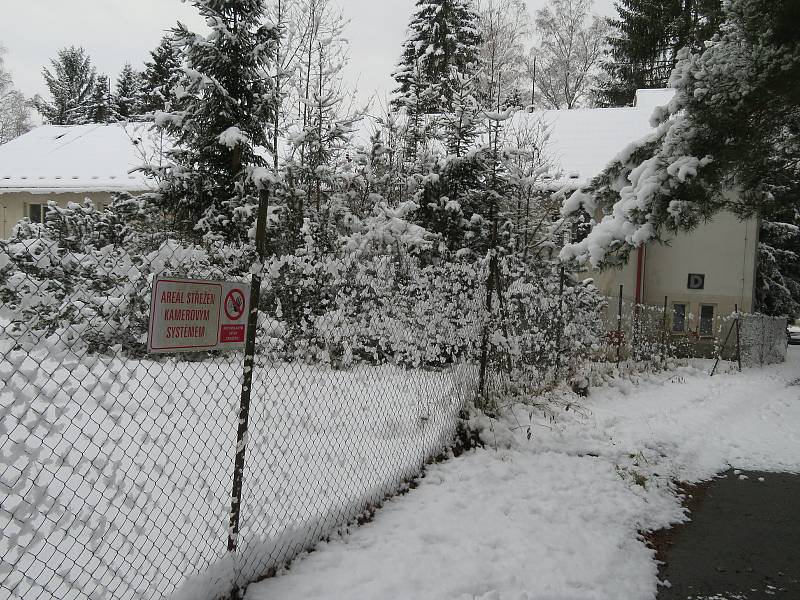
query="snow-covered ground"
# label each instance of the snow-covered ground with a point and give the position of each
(558, 516)
(116, 474)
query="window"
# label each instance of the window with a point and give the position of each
(706, 320)
(35, 213)
(678, 318)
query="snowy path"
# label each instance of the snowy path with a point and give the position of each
(556, 517)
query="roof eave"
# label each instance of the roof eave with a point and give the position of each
(75, 190)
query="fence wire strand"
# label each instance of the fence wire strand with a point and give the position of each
(118, 465)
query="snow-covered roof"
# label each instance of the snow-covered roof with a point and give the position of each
(77, 158)
(86, 158)
(582, 141)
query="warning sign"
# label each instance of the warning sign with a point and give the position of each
(189, 315)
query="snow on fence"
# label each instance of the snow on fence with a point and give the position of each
(648, 333)
(762, 339)
(118, 465)
(117, 472)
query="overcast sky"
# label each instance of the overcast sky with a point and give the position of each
(116, 31)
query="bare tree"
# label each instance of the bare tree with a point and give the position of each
(505, 28)
(315, 55)
(310, 35)
(15, 112)
(571, 44)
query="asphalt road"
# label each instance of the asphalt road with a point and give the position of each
(743, 542)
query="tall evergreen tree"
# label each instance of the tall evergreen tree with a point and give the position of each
(734, 124)
(127, 96)
(443, 40)
(645, 41)
(71, 83)
(219, 130)
(159, 78)
(101, 108)
(778, 275)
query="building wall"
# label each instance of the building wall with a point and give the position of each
(723, 249)
(609, 280)
(16, 205)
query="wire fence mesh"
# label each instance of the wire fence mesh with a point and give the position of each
(654, 334)
(117, 467)
(756, 340)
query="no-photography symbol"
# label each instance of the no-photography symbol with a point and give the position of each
(234, 304)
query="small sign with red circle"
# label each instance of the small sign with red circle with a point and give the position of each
(234, 304)
(191, 315)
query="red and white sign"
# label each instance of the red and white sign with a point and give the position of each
(190, 315)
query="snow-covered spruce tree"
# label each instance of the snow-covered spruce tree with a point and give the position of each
(778, 276)
(462, 124)
(375, 177)
(644, 42)
(101, 107)
(729, 140)
(159, 78)
(128, 93)
(443, 41)
(532, 206)
(71, 83)
(219, 130)
(451, 200)
(420, 127)
(14, 111)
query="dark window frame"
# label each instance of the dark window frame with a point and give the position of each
(710, 321)
(683, 317)
(39, 208)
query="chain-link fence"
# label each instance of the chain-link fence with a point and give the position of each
(128, 474)
(654, 334)
(118, 465)
(754, 340)
(646, 333)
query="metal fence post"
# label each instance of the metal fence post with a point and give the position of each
(664, 331)
(247, 380)
(560, 329)
(738, 337)
(619, 326)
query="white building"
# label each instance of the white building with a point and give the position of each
(69, 164)
(703, 274)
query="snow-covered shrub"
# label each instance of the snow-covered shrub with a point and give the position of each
(374, 308)
(295, 291)
(82, 279)
(412, 315)
(544, 329)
